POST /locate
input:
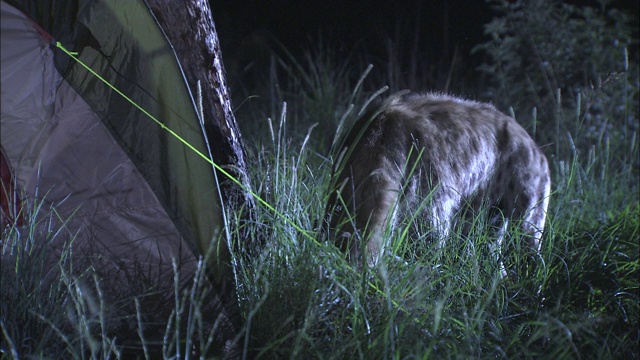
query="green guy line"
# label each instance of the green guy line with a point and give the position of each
(188, 145)
(206, 158)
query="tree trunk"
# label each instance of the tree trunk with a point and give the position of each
(190, 29)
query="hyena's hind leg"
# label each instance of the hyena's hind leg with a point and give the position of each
(534, 218)
(524, 202)
(530, 194)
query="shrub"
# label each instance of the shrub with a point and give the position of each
(563, 60)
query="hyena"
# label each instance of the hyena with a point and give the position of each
(463, 155)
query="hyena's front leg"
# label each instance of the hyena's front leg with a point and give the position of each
(369, 175)
(373, 207)
(468, 150)
(384, 199)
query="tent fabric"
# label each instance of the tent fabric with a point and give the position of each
(10, 203)
(130, 195)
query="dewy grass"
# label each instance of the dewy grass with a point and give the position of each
(54, 305)
(31, 296)
(303, 299)
(578, 297)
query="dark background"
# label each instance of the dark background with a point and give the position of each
(443, 32)
(250, 31)
(249, 28)
(444, 23)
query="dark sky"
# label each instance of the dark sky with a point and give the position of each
(292, 21)
(247, 28)
(442, 23)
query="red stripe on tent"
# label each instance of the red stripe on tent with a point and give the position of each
(42, 32)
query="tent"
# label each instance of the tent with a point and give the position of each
(130, 196)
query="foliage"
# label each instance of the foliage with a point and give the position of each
(55, 305)
(317, 88)
(301, 298)
(560, 58)
(304, 300)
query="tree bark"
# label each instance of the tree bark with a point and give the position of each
(189, 27)
(191, 31)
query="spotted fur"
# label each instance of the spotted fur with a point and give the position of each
(460, 154)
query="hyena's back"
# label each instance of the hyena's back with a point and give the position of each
(460, 153)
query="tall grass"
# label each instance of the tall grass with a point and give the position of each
(301, 298)
(578, 298)
(57, 304)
